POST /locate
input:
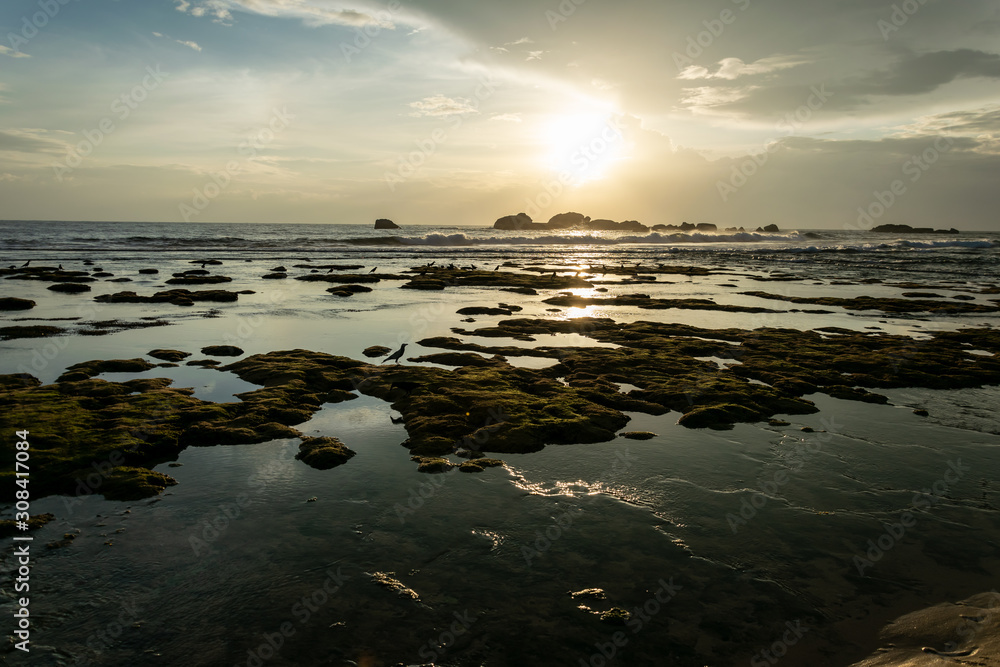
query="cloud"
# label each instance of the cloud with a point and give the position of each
(29, 141)
(311, 13)
(731, 69)
(193, 45)
(439, 105)
(7, 51)
(534, 55)
(508, 117)
(982, 125)
(523, 40)
(908, 75)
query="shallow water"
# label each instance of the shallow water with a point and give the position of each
(750, 528)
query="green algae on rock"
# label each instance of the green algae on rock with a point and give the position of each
(323, 453)
(645, 302)
(168, 355)
(885, 304)
(8, 527)
(32, 331)
(178, 297)
(638, 435)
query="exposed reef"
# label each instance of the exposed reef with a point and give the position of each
(885, 304)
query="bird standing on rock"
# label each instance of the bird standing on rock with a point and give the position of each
(395, 356)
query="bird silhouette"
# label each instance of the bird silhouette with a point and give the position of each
(498, 268)
(373, 270)
(26, 263)
(330, 271)
(395, 355)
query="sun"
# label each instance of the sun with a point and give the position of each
(582, 147)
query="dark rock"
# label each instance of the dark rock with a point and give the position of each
(199, 280)
(69, 288)
(376, 351)
(222, 350)
(571, 219)
(148, 271)
(168, 355)
(274, 276)
(638, 435)
(483, 310)
(34, 331)
(15, 303)
(323, 453)
(385, 223)
(519, 221)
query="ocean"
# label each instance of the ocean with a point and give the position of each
(792, 540)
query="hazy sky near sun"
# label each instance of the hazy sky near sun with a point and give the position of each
(738, 112)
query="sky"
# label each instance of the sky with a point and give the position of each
(808, 114)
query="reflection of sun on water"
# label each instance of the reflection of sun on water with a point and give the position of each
(582, 147)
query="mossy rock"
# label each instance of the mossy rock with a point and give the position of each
(638, 435)
(8, 527)
(484, 310)
(469, 466)
(33, 331)
(274, 276)
(15, 303)
(323, 453)
(199, 280)
(178, 297)
(89, 369)
(432, 464)
(615, 616)
(168, 355)
(375, 351)
(431, 284)
(203, 362)
(222, 350)
(131, 483)
(486, 463)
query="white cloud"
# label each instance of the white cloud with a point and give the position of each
(439, 105)
(7, 51)
(193, 45)
(508, 117)
(310, 12)
(731, 69)
(523, 40)
(534, 55)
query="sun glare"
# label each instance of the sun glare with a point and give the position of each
(582, 147)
